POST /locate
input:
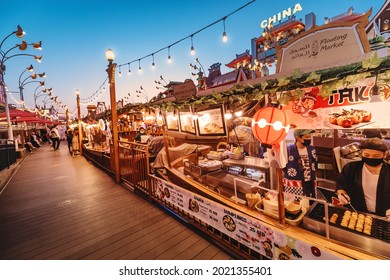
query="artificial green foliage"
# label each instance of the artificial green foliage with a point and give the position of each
(327, 88)
(297, 94)
(385, 76)
(284, 98)
(257, 95)
(296, 74)
(372, 62)
(263, 85)
(352, 79)
(283, 81)
(313, 78)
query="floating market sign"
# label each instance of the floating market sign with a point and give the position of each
(359, 105)
(185, 90)
(281, 15)
(325, 46)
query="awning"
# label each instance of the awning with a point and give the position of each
(17, 113)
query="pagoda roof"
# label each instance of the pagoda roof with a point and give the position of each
(239, 59)
(284, 26)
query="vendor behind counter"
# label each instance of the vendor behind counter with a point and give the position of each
(366, 183)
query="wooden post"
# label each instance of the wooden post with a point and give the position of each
(67, 116)
(79, 123)
(111, 77)
(279, 185)
(166, 145)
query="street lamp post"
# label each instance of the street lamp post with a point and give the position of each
(110, 56)
(23, 83)
(79, 121)
(3, 58)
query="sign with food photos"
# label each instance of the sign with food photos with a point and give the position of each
(187, 124)
(211, 122)
(253, 233)
(364, 104)
(172, 121)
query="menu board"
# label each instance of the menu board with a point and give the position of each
(187, 124)
(211, 122)
(172, 121)
(260, 237)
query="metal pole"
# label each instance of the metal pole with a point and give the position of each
(9, 126)
(111, 76)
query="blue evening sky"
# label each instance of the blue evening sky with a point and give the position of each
(75, 35)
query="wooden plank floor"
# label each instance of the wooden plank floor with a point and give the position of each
(62, 207)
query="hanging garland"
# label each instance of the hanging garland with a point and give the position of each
(290, 87)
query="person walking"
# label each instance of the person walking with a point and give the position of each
(55, 137)
(69, 139)
(75, 143)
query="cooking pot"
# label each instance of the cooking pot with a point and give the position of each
(350, 151)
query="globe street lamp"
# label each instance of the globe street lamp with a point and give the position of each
(110, 56)
(3, 58)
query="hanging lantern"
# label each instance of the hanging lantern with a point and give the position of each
(270, 125)
(149, 118)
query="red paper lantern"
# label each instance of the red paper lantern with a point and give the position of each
(270, 125)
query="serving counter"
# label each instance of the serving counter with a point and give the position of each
(231, 190)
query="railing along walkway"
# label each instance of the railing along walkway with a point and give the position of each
(62, 207)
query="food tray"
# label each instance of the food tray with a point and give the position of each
(380, 228)
(234, 156)
(217, 157)
(293, 220)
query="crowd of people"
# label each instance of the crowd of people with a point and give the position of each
(52, 136)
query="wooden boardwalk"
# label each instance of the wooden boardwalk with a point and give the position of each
(64, 208)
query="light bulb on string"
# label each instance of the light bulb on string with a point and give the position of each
(120, 73)
(192, 45)
(139, 66)
(153, 64)
(169, 55)
(129, 71)
(224, 36)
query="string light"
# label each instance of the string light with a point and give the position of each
(190, 36)
(120, 72)
(139, 66)
(95, 95)
(169, 55)
(153, 64)
(192, 45)
(224, 36)
(129, 71)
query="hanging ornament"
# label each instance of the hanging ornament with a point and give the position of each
(149, 118)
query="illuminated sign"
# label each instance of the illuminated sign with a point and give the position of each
(324, 46)
(281, 15)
